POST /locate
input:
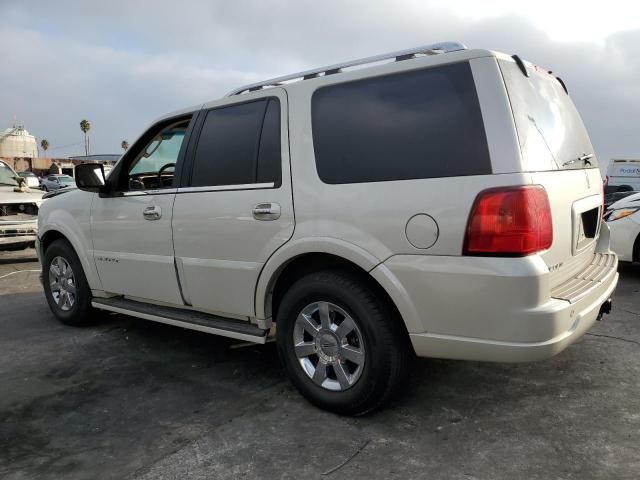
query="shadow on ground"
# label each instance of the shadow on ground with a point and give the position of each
(126, 398)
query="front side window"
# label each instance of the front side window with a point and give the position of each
(239, 145)
(419, 124)
(154, 166)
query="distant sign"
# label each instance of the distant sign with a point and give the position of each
(622, 171)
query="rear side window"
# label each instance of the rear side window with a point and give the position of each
(239, 144)
(420, 124)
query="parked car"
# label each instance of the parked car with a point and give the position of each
(611, 198)
(58, 181)
(18, 211)
(31, 179)
(623, 219)
(404, 207)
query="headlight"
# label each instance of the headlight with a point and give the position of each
(620, 213)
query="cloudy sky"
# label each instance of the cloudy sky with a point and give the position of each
(119, 64)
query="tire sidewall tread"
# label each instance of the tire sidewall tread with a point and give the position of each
(386, 341)
(81, 312)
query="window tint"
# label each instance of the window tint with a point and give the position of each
(235, 149)
(420, 124)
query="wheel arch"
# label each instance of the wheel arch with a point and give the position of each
(635, 254)
(281, 272)
(57, 233)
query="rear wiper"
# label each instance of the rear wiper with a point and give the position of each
(582, 158)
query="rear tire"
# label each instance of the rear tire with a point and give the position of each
(65, 285)
(362, 362)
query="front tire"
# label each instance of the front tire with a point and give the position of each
(65, 285)
(342, 346)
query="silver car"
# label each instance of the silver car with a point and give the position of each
(18, 211)
(56, 182)
(436, 201)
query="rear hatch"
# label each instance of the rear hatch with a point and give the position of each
(557, 152)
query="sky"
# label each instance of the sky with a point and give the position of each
(120, 64)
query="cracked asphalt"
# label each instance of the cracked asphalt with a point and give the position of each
(126, 398)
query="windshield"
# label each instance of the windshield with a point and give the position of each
(550, 131)
(67, 180)
(6, 175)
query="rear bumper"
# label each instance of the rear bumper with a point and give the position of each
(492, 309)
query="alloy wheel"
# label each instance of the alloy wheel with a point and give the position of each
(62, 283)
(329, 346)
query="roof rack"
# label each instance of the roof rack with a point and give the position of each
(434, 49)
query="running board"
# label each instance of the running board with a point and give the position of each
(191, 319)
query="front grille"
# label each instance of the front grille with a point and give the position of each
(18, 210)
(18, 232)
(601, 265)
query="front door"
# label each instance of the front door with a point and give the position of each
(131, 226)
(236, 209)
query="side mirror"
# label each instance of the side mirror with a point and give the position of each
(90, 177)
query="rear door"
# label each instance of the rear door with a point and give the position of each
(235, 208)
(556, 149)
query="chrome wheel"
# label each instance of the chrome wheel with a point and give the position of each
(329, 346)
(62, 283)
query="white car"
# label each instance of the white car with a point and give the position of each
(18, 211)
(31, 179)
(436, 201)
(623, 219)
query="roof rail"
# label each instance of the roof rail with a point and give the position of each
(436, 48)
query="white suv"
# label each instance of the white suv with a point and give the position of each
(438, 201)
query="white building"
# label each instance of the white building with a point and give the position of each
(17, 142)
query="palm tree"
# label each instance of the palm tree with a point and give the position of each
(85, 126)
(125, 145)
(45, 146)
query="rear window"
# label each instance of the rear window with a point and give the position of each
(419, 124)
(550, 131)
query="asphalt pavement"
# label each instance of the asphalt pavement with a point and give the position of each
(127, 398)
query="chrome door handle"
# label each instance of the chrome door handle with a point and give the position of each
(152, 213)
(266, 211)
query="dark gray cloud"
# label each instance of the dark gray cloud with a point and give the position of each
(120, 64)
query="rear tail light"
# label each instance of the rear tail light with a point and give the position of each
(509, 222)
